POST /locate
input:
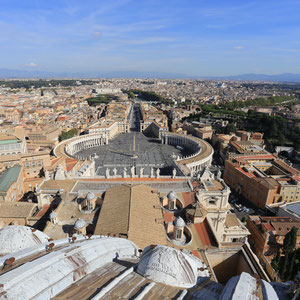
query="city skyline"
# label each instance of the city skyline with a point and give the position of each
(191, 38)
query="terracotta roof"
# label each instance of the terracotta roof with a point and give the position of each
(282, 228)
(232, 220)
(17, 210)
(269, 182)
(129, 210)
(197, 210)
(286, 167)
(51, 184)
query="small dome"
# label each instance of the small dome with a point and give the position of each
(79, 224)
(53, 215)
(170, 266)
(171, 196)
(90, 196)
(244, 286)
(16, 237)
(178, 222)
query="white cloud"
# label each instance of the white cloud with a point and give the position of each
(239, 47)
(32, 65)
(96, 34)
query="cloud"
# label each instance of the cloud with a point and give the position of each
(32, 65)
(96, 34)
(149, 40)
(239, 47)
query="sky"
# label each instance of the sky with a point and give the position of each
(190, 37)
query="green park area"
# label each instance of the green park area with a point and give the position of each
(277, 129)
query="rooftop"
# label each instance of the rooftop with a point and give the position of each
(131, 211)
(17, 209)
(9, 177)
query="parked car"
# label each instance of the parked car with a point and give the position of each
(240, 208)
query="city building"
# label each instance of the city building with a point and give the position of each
(11, 184)
(267, 233)
(11, 144)
(263, 179)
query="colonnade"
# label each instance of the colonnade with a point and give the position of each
(85, 142)
(195, 162)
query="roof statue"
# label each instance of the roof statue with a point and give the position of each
(206, 174)
(47, 176)
(132, 170)
(157, 172)
(59, 173)
(107, 173)
(151, 172)
(141, 172)
(174, 172)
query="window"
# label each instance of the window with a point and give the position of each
(172, 205)
(178, 234)
(90, 206)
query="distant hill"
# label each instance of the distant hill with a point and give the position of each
(15, 74)
(285, 77)
(7, 73)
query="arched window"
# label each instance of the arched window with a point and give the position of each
(178, 234)
(172, 205)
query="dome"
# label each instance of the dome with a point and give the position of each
(53, 215)
(170, 266)
(245, 286)
(171, 196)
(16, 237)
(178, 222)
(79, 224)
(90, 196)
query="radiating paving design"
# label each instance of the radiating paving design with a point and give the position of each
(119, 154)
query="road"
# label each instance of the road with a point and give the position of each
(253, 210)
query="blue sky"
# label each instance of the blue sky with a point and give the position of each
(171, 36)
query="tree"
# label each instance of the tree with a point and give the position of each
(230, 128)
(289, 272)
(283, 266)
(131, 95)
(67, 134)
(275, 261)
(290, 239)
